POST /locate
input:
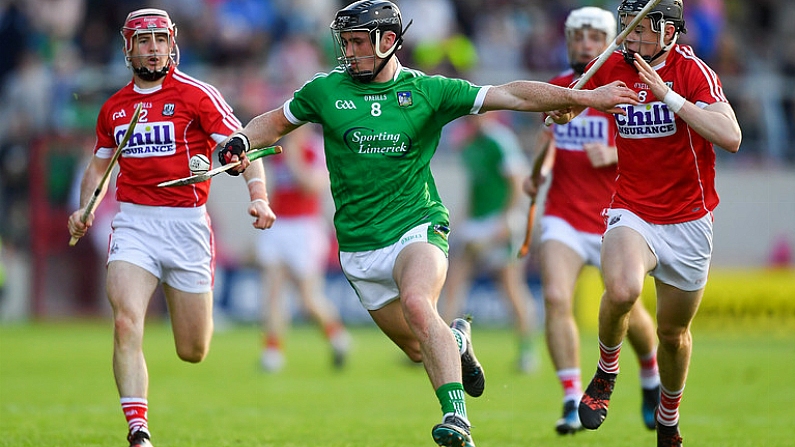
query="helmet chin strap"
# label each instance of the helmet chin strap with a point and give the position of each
(578, 67)
(384, 56)
(149, 75)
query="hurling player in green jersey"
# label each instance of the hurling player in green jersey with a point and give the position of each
(381, 125)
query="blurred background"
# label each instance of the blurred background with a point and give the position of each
(63, 58)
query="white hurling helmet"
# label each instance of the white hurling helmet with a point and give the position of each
(591, 16)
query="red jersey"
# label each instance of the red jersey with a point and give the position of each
(288, 199)
(179, 119)
(666, 170)
(579, 192)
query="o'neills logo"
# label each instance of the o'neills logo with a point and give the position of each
(646, 121)
(362, 140)
(148, 140)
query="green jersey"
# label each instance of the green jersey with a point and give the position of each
(491, 158)
(379, 140)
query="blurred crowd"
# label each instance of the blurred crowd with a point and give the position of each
(63, 58)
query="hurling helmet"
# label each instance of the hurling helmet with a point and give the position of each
(375, 17)
(155, 21)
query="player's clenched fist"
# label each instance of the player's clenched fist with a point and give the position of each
(237, 145)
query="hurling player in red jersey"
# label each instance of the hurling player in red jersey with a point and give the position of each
(160, 235)
(583, 169)
(660, 218)
(296, 251)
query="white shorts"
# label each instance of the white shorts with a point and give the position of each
(174, 244)
(370, 272)
(300, 243)
(683, 250)
(482, 232)
(587, 245)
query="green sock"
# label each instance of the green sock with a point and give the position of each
(525, 344)
(451, 396)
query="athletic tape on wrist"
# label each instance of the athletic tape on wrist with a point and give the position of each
(254, 180)
(674, 101)
(265, 201)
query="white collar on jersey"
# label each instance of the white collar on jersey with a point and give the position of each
(398, 69)
(147, 91)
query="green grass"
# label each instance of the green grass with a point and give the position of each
(57, 389)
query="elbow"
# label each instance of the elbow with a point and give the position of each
(732, 143)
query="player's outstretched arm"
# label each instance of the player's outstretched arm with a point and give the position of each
(266, 129)
(261, 131)
(533, 96)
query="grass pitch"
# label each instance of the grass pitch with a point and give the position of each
(57, 389)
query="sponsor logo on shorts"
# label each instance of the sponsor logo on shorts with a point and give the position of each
(614, 220)
(410, 237)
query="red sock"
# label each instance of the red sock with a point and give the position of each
(135, 409)
(332, 329)
(608, 358)
(649, 372)
(668, 411)
(272, 342)
(571, 381)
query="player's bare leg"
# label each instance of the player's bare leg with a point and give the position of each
(191, 321)
(414, 324)
(419, 272)
(273, 317)
(626, 259)
(129, 290)
(560, 268)
(457, 286)
(675, 311)
(642, 337)
(322, 311)
(520, 298)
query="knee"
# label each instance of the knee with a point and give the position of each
(673, 337)
(193, 352)
(557, 301)
(622, 293)
(417, 311)
(127, 331)
(413, 352)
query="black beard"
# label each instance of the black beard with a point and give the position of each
(629, 57)
(578, 67)
(149, 75)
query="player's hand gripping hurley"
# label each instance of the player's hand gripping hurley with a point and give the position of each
(609, 50)
(198, 178)
(94, 200)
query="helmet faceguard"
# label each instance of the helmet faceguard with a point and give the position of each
(584, 18)
(375, 18)
(666, 12)
(154, 21)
